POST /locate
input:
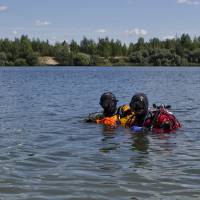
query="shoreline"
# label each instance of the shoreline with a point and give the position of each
(80, 66)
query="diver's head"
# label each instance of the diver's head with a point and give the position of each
(108, 102)
(139, 104)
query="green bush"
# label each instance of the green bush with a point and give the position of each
(97, 60)
(32, 59)
(20, 62)
(3, 59)
(81, 59)
(10, 63)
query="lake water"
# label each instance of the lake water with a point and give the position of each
(48, 152)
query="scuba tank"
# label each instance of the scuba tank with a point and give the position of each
(160, 119)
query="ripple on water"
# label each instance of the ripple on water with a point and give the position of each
(48, 152)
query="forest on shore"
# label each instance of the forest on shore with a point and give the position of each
(180, 51)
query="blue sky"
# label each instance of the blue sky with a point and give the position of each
(127, 20)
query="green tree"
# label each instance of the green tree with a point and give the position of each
(186, 41)
(116, 48)
(15, 51)
(155, 43)
(32, 59)
(99, 61)
(140, 44)
(194, 56)
(195, 43)
(6, 45)
(131, 48)
(170, 44)
(74, 47)
(88, 46)
(3, 59)
(104, 47)
(20, 62)
(124, 50)
(137, 58)
(25, 47)
(179, 49)
(62, 53)
(81, 59)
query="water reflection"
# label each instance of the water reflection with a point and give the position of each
(140, 142)
(109, 147)
(108, 130)
(109, 139)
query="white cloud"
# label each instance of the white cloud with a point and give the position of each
(189, 2)
(53, 40)
(101, 30)
(3, 8)
(42, 23)
(143, 32)
(136, 31)
(15, 32)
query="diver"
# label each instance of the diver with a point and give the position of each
(157, 119)
(108, 102)
(108, 116)
(111, 115)
(139, 105)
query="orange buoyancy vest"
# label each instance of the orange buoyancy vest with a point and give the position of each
(108, 121)
(124, 116)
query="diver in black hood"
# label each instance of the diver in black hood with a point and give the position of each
(158, 119)
(139, 105)
(109, 115)
(108, 102)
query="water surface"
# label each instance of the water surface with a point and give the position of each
(48, 152)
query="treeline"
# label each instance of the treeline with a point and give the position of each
(180, 51)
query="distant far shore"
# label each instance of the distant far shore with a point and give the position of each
(179, 51)
(51, 61)
(48, 61)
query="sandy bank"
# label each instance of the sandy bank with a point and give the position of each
(47, 60)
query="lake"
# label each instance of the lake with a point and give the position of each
(48, 152)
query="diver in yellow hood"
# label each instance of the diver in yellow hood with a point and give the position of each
(126, 116)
